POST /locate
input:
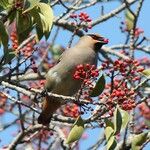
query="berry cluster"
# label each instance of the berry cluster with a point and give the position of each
(33, 65)
(26, 50)
(87, 74)
(118, 92)
(13, 37)
(1, 111)
(137, 32)
(140, 126)
(144, 61)
(144, 110)
(37, 84)
(128, 69)
(121, 95)
(18, 4)
(81, 21)
(71, 110)
(44, 134)
(84, 17)
(142, 117)
(3, 99)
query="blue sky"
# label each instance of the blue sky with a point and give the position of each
(109, 29)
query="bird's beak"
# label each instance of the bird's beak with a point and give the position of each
(103, 40)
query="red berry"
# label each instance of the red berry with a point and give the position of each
(79, 67)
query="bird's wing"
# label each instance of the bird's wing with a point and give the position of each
(62, 55)
(51, 80)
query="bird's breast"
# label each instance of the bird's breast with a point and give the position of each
(65, 83)
(67, 86)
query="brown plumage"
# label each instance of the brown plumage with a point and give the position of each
(59, 79)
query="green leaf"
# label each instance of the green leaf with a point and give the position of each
(30, 4)
(109, 123)
(146, 72)
(129, 18)
(12, 16)
(117, 121)
(9, 56)
(39, 33)
(24, 25)
(24, 22)
(5, 3)
(110, 138)
(3, 35)
(45, 1)
(43, 17)
(43, 22)
(76, 131)
(121, 119)
(47, 13)
(138, 140)
(109, 130)
(40, 26)
(125, 118)
(112, 143)
(99, 87)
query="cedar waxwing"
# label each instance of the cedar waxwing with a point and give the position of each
(59, 79)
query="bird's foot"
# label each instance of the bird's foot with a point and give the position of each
(44, 92)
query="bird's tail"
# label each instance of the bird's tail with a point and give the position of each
(49, 106)
(44, 119)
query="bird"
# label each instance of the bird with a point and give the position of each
(59, 79)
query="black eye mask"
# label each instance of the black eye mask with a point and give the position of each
(99, 38)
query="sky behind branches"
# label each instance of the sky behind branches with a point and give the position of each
(109, 29)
